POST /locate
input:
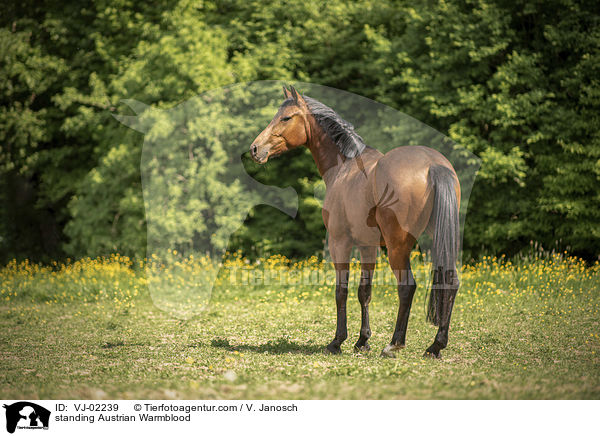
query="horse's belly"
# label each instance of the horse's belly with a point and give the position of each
(366, 236)
(361, 222)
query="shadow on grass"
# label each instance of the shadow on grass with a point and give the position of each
(108, 345)
(278, 346)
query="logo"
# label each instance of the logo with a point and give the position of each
(26, 415)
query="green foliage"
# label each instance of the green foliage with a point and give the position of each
(177, 59)
(28, 77)
(514, 82)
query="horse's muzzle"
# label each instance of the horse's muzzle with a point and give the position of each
(257, 156)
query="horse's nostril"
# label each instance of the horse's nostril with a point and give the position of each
(253, 149)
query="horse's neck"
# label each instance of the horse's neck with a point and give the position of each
(326, 154)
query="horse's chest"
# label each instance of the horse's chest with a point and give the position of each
(334, 213)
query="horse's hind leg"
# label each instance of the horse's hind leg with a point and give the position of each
(400, 244)
(367, 259)
(400, 263)
(440, 342)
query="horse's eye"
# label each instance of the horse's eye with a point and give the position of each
(286, 118)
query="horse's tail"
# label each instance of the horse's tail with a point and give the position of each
(446, 237)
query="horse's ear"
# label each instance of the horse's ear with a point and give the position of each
(286, 93)
(297, 97)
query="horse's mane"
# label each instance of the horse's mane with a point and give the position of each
(339, 130)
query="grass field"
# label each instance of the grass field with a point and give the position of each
(89, 329)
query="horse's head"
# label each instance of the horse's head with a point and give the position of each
(287, 129)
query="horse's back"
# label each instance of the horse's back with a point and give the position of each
(401, 184)
(396, 181)
(403, 162)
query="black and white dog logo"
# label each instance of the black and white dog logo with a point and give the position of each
(26, 415)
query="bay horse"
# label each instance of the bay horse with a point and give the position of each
(373, 200)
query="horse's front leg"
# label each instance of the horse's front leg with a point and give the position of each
(368, 260)
(340, 254)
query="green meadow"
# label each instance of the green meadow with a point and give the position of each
(90, 330)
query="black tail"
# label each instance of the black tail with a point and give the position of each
(446, 238)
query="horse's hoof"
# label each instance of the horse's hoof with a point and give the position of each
(364, 348)
(432, 354)
(333, 349)
(391, 350)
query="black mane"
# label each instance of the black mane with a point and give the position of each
(339, 130)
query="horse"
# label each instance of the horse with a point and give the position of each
(373, 200)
